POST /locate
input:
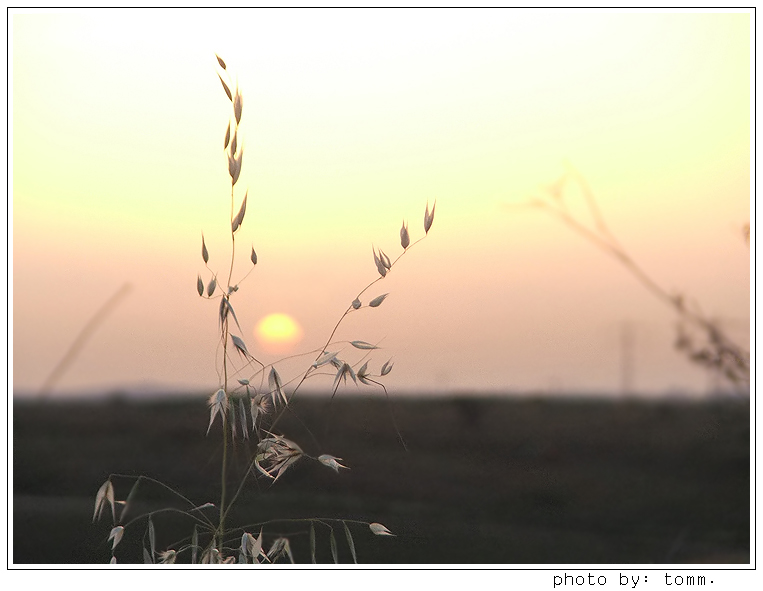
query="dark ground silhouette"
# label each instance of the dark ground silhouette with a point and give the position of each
(484, 480)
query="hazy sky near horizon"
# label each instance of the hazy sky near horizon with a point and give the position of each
(352, 122)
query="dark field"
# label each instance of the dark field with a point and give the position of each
(485, 481)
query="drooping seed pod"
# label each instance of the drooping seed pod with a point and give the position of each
(377, 300)
(429, 217)
(238, 105)
(225, 87)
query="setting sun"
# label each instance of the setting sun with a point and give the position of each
(278, 332)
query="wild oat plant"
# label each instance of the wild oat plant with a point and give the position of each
(251, 399)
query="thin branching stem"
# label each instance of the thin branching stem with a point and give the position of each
(160, 484)
(226, 422)
(339, 322)
(603, 238)
(204, 523)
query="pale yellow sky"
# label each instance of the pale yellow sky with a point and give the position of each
(353, 120)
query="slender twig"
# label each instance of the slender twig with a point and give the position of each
(725, 355)
(79, 342)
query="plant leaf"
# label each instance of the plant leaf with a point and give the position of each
(287, 549)
(194, 544)
(146, 557)
(332, 543)
(247, 543)
(152, 537)
(242, 418)
(312, 543)
(377, 300)
(350, 543)
(232, 419)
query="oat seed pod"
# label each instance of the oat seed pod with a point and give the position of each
(377, 300)
(254, 256)
(326, 357)
(429, 217)
(220, 61)
(116, 535)
(204, 253)
(240, 346)
(362, 374)
(234, 143)
(238, 105)
(239, 161)
(200, 285)
(405, 239)
(379, 529)
(218, 404)
(225, 87)
(332, 462)
(385, 260)
(105, 495)
(379, 265)
(236, 223)
(363, 345)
